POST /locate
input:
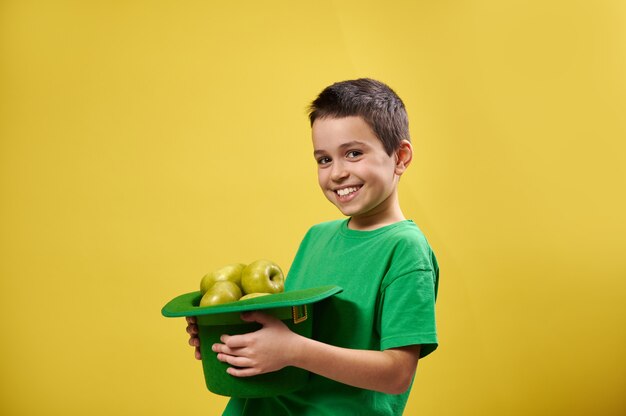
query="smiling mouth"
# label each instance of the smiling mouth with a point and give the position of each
(347, 191)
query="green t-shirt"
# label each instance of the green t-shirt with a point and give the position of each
(390, 278)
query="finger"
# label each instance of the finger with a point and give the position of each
(192, 329)
(194, 341)
(235, 341)
(225, 349)
(243, 372)
(242, 362)
(197, 354)
(191, 319)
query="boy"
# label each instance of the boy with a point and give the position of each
(368, 339)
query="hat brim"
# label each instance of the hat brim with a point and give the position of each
(187, 304)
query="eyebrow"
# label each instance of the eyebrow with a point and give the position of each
(342, 146)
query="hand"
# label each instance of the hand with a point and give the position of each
(268, 349)
(192, 330)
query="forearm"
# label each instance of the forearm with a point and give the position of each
(389, 371)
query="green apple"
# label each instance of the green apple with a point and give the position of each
(231, 273)
(221, 292)
(262, 276)
(253, 295)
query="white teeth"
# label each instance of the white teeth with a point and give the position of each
(346, 191)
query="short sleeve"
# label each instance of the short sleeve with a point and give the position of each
(407, 312)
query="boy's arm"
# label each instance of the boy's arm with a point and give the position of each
(274, 346)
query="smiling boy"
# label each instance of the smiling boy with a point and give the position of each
(369, 338)
(356, 174)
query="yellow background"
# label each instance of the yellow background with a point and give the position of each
(144, 143)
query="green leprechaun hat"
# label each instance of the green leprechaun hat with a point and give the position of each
(294, 308)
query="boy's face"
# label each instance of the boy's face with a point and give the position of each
(354, 171)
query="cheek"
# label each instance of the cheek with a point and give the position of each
(321, 177)
(386, 169)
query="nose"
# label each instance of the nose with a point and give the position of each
(338, 172)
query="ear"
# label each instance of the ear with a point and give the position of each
(404, 155)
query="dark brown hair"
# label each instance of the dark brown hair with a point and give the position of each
(377, 104)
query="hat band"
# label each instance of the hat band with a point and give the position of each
(298, 314)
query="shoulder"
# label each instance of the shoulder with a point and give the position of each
(409, 232)
(327, 227)
(408, 236)
(411, 249)
(321, 233)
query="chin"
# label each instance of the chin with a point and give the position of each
(348, 212)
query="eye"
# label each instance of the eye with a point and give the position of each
(353, 154)
(324, 160)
